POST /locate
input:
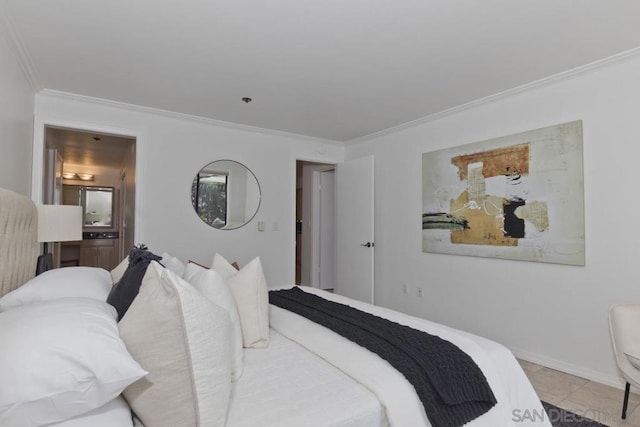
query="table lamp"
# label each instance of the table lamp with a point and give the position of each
(57, 223)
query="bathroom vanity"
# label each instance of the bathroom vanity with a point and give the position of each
(100, 238)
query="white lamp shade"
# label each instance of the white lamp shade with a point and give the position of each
(59, 223)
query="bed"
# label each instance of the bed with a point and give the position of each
(254, 364)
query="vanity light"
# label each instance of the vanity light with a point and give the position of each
(74, 175)
(85, 176)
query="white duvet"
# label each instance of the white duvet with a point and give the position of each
(285, 385)
(513, 391)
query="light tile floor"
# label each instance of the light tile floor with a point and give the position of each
(583, 397)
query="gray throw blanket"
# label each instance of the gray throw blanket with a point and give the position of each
(450, 385)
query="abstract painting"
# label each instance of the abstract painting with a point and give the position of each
(515, 197)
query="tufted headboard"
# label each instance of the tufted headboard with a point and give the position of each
(18, 240)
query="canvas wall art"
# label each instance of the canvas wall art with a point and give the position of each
(514, 197)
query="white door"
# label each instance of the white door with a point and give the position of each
(327, 230)
(354, 229)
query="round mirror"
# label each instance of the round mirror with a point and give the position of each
(225, 194)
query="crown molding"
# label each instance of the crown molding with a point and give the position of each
(565, 75)
(172, 114)
(15, 43)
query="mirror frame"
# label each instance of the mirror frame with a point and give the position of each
(194, 195)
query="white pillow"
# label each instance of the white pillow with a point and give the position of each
(60, 359)
(118, 272)
(249, 288)
(173, 264)
(115, 413)
(213, 286)
(84, 282)
(182, 339)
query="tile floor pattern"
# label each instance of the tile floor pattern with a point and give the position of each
(593, 400)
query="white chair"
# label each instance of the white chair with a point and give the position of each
(624, 325)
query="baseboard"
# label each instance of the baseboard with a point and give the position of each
(559, 365)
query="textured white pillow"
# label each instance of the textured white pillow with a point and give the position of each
(191, 270)
(249, 288)
(222, 266)
(60, 359)
(115, 413)
(173, 264)
(84, 282)
(213, 286)
(182, 339)
(118, 272)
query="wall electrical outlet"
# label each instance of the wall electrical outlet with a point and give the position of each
(405, 288)
(419, 292)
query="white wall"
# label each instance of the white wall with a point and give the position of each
(16, 121)
(547, 313)
(171, 149)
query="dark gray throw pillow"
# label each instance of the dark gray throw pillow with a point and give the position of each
(125, 291)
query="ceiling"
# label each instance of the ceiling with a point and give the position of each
(82, 148)
(331, 69)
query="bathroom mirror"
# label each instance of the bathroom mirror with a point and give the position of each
(97, 203)
(225, 194)
(98, 207)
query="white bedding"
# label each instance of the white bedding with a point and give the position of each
(286, 385)
(115, 413)
(505, 376)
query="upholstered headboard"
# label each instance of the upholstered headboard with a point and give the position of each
(18, 240)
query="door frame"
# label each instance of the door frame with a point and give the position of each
(37, 165)
(122, 223)
(328, 164)
(323, 241)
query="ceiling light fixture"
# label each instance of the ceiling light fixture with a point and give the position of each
(69, 175)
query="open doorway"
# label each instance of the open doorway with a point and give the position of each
(96, 171)
(315, 224)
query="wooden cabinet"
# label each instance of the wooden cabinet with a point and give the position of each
(99, 253)
(70, 254)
